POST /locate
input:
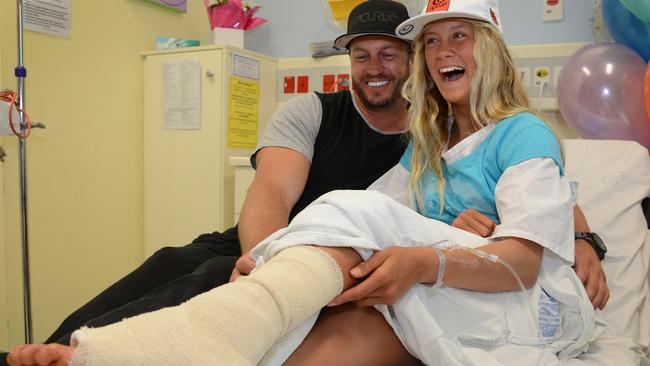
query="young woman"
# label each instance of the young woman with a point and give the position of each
(450, 296)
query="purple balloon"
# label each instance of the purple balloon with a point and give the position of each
(600, 93)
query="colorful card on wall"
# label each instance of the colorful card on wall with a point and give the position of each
(178, 5)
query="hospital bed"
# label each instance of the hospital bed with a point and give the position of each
(614, 180)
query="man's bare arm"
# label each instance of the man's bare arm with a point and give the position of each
(279, 181)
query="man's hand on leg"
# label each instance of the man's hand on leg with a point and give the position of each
(243, 267)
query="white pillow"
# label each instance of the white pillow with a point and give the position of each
(614, 177)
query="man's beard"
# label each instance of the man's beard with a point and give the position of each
(380, 104)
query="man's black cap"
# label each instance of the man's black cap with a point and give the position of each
(373, 17)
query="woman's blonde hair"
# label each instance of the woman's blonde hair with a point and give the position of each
(496, 93)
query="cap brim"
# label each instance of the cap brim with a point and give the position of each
(411, 29)
(343, 41)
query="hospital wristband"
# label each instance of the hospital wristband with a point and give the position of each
(442, 264)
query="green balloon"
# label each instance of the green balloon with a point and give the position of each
(640, 9)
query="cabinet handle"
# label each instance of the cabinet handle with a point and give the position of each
(209, 74)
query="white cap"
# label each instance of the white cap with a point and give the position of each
(483, 10)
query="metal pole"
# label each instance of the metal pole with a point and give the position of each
(21, 74)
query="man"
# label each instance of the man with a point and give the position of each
(350, 138)
(314, 144)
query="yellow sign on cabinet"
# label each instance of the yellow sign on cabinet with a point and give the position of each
(242, 113)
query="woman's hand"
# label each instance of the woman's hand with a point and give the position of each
(391, 272)
(41, 355)
(474, 222)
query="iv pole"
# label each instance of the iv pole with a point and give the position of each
(21, 73)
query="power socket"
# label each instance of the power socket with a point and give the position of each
(524, 76)
(541, 75)
(5, 129)
(553, 10)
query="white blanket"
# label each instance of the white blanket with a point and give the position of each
(443, 325)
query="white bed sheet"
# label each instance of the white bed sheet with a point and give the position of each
(609, 350)
(614, 177)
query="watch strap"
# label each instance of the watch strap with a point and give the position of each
(594, 241)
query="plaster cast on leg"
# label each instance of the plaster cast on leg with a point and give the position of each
(234, 324)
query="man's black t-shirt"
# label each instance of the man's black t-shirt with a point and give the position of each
(348, 153)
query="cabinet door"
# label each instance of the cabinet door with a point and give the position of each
(183, 169)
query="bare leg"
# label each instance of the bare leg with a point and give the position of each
(346, 258)
(348, 335)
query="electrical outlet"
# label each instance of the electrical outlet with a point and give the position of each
(541, 75)
(553, 10)
(4, 118)
(524, 76)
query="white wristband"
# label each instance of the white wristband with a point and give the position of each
(442, 263)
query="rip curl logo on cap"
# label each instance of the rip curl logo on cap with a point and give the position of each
(405, 30)
(438, 5)
(374, 17)
(494, 16)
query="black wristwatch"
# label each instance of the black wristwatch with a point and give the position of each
(595, 241)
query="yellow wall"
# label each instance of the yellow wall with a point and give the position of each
(85, 169)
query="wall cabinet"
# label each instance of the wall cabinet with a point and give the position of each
(188, 181)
